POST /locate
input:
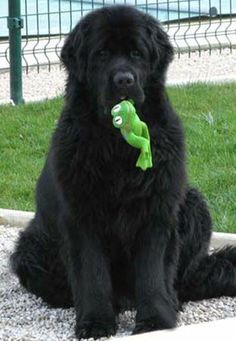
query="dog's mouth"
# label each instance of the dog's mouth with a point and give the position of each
(110, 97)
(136, 98)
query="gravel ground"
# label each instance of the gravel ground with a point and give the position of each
(217, 67)
(25, 317)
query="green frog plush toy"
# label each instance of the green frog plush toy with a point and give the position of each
(134, 131)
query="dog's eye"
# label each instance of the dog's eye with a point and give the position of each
(103, 54)
(135, 54)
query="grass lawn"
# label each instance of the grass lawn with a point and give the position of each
(209, 117)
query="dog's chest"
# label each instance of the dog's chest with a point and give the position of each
(108, 155)
(107, 167)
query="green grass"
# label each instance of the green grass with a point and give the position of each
(25, 136)
(209, 117)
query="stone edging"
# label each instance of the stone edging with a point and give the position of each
(22, 218)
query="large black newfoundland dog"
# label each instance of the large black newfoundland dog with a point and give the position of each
(108, 236)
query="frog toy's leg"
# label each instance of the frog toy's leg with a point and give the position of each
(144, 161)
(143, 144)
(146, 156)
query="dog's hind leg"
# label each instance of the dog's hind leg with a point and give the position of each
(202, 275)
(37, 264)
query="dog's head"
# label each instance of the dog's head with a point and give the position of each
(115, 52)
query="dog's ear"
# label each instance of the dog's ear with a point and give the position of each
(74, 53)
(162, 51)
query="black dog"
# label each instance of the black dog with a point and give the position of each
(108, 236)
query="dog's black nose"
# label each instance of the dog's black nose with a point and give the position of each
(123, 79)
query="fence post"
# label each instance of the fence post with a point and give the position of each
(15, 24)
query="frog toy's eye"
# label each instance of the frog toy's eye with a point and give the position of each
(118, 120)
(116, 108)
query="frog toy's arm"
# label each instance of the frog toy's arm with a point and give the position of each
(145, 132)
(134, 131)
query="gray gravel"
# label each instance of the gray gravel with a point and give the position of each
(25, 317)
(217, 67)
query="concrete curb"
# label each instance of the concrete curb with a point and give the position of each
(15, 218)
(220, 239)
(22, 218)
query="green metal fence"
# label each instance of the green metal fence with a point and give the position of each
(32, 31)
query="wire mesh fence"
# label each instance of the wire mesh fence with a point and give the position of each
(193, 25)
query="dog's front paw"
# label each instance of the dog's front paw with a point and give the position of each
(145, 326)
(153, 323)
(95, 329)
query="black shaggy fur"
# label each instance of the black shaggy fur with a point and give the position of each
(106, 235)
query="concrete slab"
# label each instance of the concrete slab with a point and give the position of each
(217, 331)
